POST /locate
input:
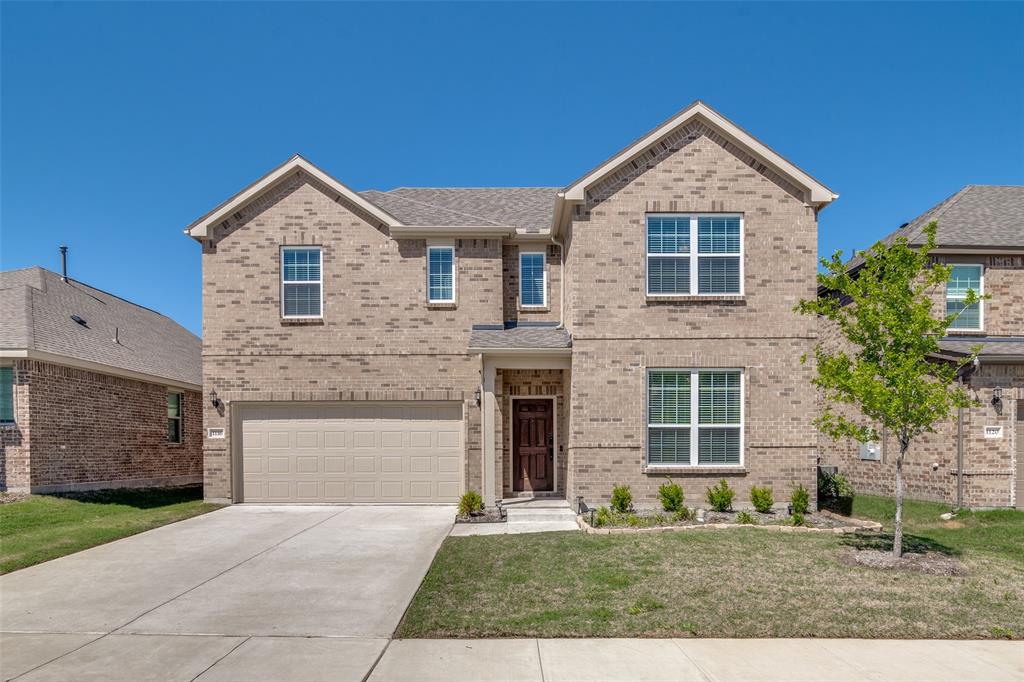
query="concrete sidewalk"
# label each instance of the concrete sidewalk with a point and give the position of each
(703, 660)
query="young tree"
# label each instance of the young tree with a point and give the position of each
(885, 311)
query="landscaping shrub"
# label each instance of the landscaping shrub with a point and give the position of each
(744, 517)
(622, 499)
(797, 518)
(720, 496)
(602, 518)
(671, 495)
(683, 514)
(762, 499)
(801, 500)
(833, 486)
(470, 502)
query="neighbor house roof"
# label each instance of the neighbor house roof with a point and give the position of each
(978, 217)
(991, 346)
(117, 337)
(526, 337)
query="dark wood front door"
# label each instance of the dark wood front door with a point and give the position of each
(533, 445)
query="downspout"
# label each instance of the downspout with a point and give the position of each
(960, 439)
(561, 282)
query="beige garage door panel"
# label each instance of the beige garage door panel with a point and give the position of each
(372, 452)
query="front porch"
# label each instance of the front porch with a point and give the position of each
(524, 412)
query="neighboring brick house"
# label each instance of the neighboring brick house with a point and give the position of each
(413, 344)
(977, 458)
(95, 391)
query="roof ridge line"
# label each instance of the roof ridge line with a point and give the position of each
(450, 210)
(948, 203)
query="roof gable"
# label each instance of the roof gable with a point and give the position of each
(200, 229)
(817, 193)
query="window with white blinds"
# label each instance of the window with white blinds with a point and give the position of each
(694, 417)
(301, 281)
(694, 255)
(441, 274)
(962, 279)
(532, 280)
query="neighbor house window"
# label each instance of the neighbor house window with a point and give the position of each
(301, 281)
(532, 280)
(692, 254)
(694, 417)
(961, 279)
(6, 395)
(441, 274)
(174, 411)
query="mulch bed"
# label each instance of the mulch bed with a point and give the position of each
(485, 516)
(932, 563)
(653, 521)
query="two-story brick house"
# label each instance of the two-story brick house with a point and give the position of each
(413, 344)
(977, 458)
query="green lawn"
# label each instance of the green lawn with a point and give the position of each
(45, 527)
(731, 583)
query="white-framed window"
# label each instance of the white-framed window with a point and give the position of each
(441, 274)
(694, 417)
(302, 291)
(175, 410)
(690, 255)
(962, 278)
(6, 395)
(533, 283)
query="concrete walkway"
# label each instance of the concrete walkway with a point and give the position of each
(703, 660)
(540, 515)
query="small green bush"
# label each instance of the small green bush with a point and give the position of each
(800, 499)
(634, 521)
(762, 499)
(833, 486)
(470, 502)
(603, 517)
(720, 496)
(622, 499)
(744, 517)
(671, 495)
(797, 518)
(683, 514)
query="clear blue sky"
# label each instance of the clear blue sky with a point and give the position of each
(122, 123)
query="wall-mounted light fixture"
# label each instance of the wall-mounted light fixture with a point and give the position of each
(476, 397)
(214, 400)
(997, 399)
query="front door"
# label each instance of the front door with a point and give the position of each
(533, 445)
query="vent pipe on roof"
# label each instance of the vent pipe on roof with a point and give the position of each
(63, 262)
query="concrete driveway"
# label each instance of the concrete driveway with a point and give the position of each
(246, 592)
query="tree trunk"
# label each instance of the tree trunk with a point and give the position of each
(897, 538)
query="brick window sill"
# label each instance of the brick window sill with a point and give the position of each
(694, 470)
(442, 306)
(534, 309)
(310, 322)
(726, 299)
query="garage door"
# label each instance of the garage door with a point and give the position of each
(352, 452)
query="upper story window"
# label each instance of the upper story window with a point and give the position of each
(441, 274)
(694, 417)
(533, 290)
(961, 279)
(301, 282)
(6, 395)
(694, 255)
(174, 411)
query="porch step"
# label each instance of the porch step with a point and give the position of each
(545, 518)
(535, 503)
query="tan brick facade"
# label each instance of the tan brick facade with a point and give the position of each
(77, 429)
(380, 340)
(989, 464)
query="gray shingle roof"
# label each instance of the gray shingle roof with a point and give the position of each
(977, 216)
(527, 208)
(36, 308)
(539, 337)
(991, 346)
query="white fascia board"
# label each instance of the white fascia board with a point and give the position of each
(819, 194)
(424, 231)
(99, 368)
(200, 228)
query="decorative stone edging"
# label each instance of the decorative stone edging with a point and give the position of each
(856, 525)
